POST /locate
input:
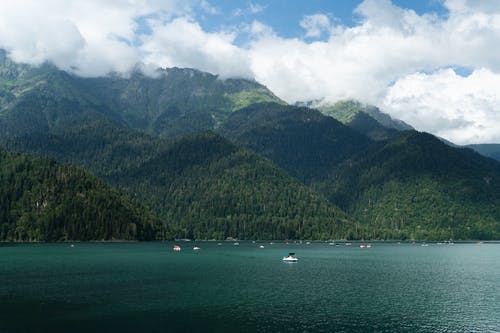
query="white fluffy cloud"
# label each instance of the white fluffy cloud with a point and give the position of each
(315, 25)
(381, 60)
(378, 60)
(461, 109)
(90, 37)
(211, 52)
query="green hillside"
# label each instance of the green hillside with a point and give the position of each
(491, 150)
(202, 186)
(283, 174)
(175, 102)
(302, 141)
(41, 200)
(207, 187)
(417, 187)
(365, 119)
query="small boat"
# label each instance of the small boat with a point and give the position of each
(177, 248)
(362, 245)
(290, 258)
(236, 244)
(348, 244)
(196, 248)
(261, 247)
(368, 246)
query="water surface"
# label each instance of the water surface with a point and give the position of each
(146, 287)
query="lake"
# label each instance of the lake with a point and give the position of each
(147, 287)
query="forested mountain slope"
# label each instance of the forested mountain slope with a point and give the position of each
(415, 186)
(148, 138)
(302, 141)
(173, 103)
(41, 200)
(366, 119)
(207, 187)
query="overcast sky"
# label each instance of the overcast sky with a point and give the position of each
(432, 63)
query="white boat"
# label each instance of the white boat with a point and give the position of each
(368, 246)
(362, 245)
(290, 258)
(261, 247)
(196, 248)
(177, 248)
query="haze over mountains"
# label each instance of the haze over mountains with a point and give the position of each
(212, 158)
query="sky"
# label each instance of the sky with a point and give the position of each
(434, 64)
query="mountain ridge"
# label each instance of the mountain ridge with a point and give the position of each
(271, 180)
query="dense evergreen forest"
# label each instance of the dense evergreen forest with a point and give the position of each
(417, 187)
(41, 200)
(202, 186)
(302, 141)
(208, 188)
(215, 158)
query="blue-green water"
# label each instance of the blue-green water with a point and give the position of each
(146, 287)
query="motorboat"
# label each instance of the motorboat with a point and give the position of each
(290, 258)
(196, 248)
(261, 247)
(177, 248)
(368, 246)
(362, 245)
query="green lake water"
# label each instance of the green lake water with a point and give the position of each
(147, 287)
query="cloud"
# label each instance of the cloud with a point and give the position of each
(386, 53)
(208, 8)
(89, 37)
(315, 25)
(211, 52)
(251, 9)
(460, 109)
(256, 8)
(372, 60)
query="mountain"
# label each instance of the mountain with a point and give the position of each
(491, 150)
(302, 141)
(366, 119)
(202, 185)
(271, 171)
(175, 102)
(41, 200)
(417, 187)
(207, 187)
